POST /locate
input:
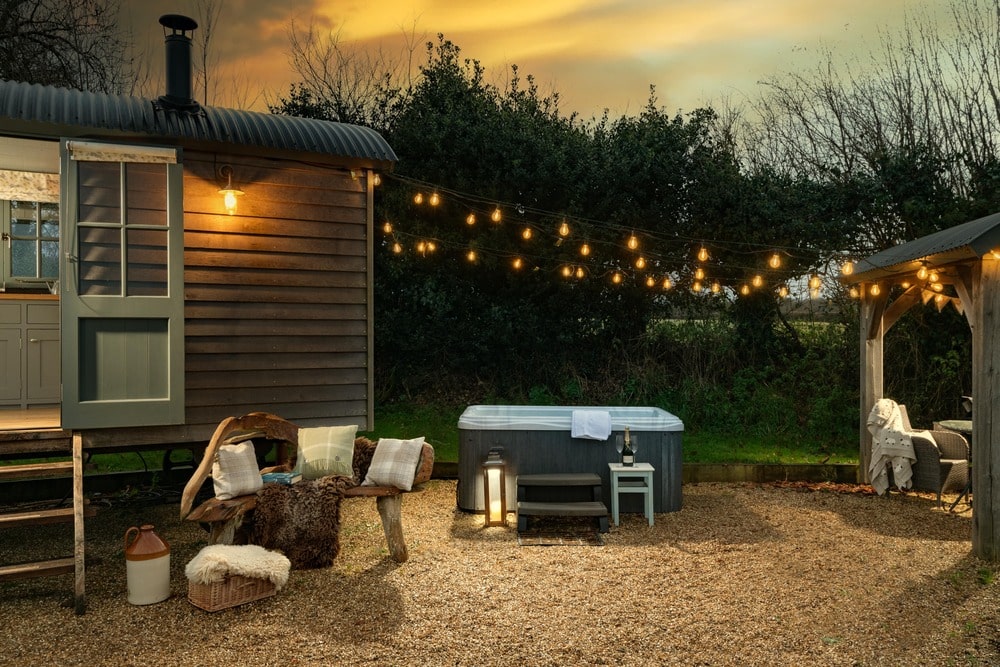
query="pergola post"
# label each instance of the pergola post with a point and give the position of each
(872, 336)
(986, 393)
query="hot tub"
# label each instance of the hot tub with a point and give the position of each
(536, 439)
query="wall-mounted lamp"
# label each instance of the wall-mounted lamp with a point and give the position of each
(229, 193)
(495, 488)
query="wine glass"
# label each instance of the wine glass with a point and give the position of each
(620, 445)
(634, 443)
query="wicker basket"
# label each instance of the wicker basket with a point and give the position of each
(232, 591)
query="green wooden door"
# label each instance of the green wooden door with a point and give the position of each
(122, 286)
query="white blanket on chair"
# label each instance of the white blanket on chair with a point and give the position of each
(591, 424)
(891, 447)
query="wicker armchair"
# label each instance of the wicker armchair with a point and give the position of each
(942, 463)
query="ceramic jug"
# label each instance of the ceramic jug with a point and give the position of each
(147, 566)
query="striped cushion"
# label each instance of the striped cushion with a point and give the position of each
(394, 463)
(326, 450)
(235, 472)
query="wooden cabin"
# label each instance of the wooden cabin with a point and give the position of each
(956, 267)
(136, 310)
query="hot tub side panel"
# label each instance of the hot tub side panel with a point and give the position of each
(545, 451)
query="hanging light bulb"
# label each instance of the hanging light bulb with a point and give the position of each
(922, 272)
(667, 284)
(650, 281)
(616, 278)
(875, 290)
(435, 199)
(580, 273)
(775, 261)
(470, 219)
(716, 287)
(387, 227)
(937, 287)
(699, 273)
(703, 254)
(376, 180)
(933, 276)
(905, 284)
(567, 271)
(518, 263)
(431, 246)
(421, 247)
(418, 198)
(564, 229)
(640, 263)
(758, 280)
(783, 291)
(526, 234)
(585, 250)
(814, 282)
(744, 289)
(847, 268)
(396, 248)
(854, 293)
(696, 286)
(633, 242)
(496, 215)
(471, 255)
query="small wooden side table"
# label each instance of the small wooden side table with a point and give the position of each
(636, 478)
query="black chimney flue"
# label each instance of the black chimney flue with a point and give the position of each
(178, 49)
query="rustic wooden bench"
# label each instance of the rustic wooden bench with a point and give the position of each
(225, 518)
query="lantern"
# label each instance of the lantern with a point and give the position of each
(495, 488)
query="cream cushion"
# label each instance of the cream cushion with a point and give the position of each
(326, 450)
(394, 463)
(235, 472)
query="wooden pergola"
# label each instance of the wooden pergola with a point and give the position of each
(959, 267)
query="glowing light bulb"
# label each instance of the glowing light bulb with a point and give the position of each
(933, 276)
(847, 268)
(387, 227)
(667, 284)
(376, 180)
(744, 289)
(470, 219)
(396, 248)
(633, 242)
(875, 290)
(922, 272)
(854, 293)
(616, 278)
(699, 273)
(431, 246)
(905, 284)
(937, 287)
(435, 199)
(567, 271)
(526, 234)
(758, 280)
(518, 262)
(421, 247)
(580, 273)
(640, 263)
(650, 281)
(775, 261)
(471, 255)
(716, 287)
(783, 291)
(696, 286)
(814, 282)
(938, 300)
(703, 254)
(229, 201)
(496, 215)
(418, 198)
(585, 250)
(564, 229)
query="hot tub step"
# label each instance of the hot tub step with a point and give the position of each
(591, 508)
(560, 479)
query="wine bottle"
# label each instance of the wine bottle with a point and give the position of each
(628, 456)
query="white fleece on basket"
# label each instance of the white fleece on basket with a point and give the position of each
(214, 562)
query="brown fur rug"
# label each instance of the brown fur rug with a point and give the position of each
(303, 520)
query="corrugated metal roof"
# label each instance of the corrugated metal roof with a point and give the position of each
(969, 240)
(49, 111)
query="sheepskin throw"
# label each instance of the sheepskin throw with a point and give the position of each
(217, 561)
(301, 520)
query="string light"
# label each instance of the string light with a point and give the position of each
(471, 255)
(421, 247)
(585, 250)
(703, 254)
(922, 272)
(783, 291)
(758, 280)
(744, 289)
(431, 246)
(696, 286)
(775, 261)
(937, 287)
(814, 282)
(526, 234)
(933, 277)
(616, 278)
(435, 199)
(376, 180)
(699, 273)
(847, 268)
(418, 198)
(650, 281)
(633, 242)
(640, 263)
(875, 290)
(716, 287)
(854, 293)
(496, 215)
(470, 219)
(580, 273)
(387, 227)
(667, 284)
(397, 248)
(564, 229)
(567, 271)
(518, 263)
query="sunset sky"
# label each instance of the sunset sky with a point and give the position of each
(596, 53)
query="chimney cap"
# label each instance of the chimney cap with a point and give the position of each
(178, 22)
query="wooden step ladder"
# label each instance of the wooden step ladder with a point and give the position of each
(551, 494)
(74, 514)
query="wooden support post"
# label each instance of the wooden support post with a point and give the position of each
(79, 550)
(872, 334)
(985, 429)
(390, 508)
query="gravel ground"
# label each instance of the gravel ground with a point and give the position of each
(743, 575)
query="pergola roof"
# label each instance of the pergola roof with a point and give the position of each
(969, 240)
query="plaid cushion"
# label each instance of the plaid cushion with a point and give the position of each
(235, 472)
(326, 450)
(394, 463)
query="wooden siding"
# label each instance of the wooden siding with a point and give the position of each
(277, 295)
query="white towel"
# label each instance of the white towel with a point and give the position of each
(591, 424)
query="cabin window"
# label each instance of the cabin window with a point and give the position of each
(31, 241)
